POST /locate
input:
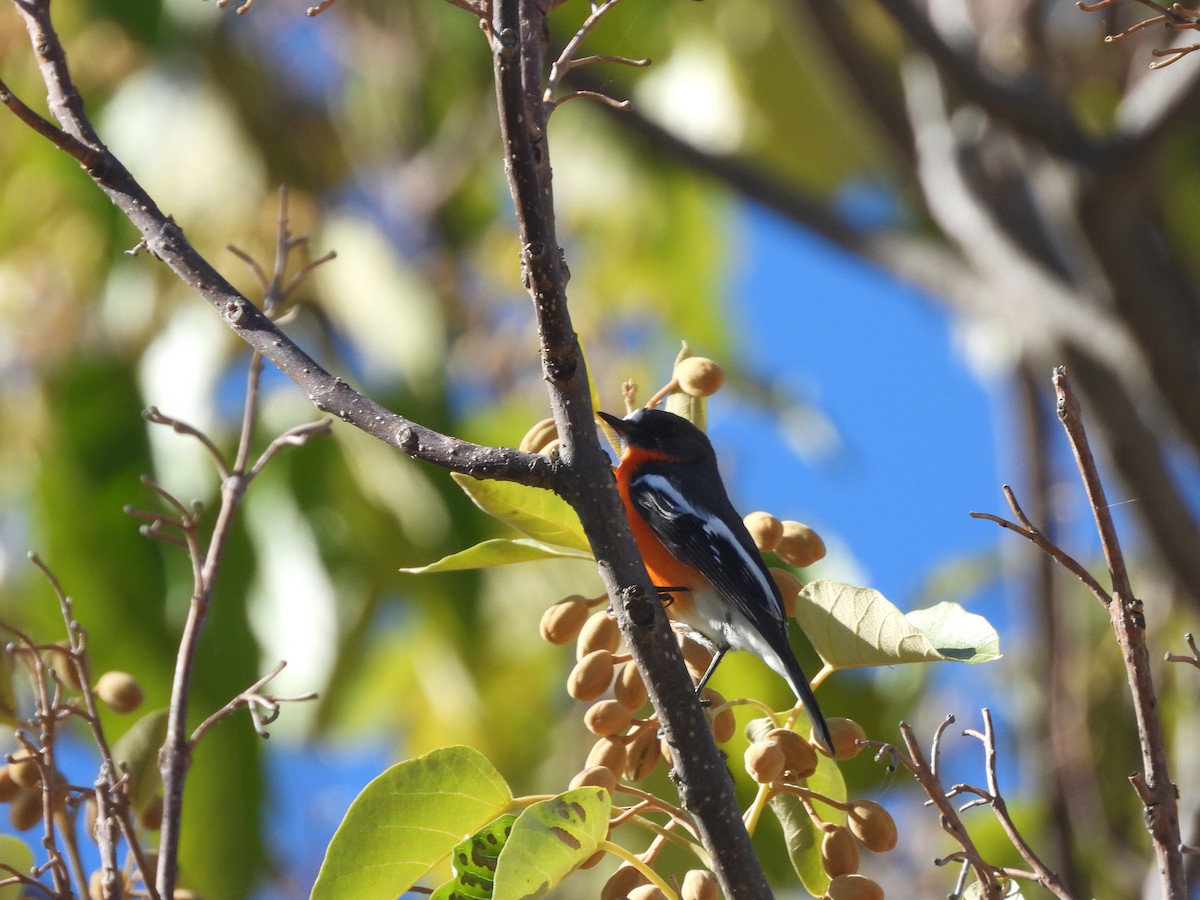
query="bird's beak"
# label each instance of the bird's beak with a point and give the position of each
(619, 426)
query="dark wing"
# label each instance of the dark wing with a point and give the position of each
(711, 537)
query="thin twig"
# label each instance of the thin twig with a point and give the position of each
(252, 699)
(1128, 623)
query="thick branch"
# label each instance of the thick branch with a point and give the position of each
(706, 788)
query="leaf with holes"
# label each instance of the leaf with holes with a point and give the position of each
(474, 862)
(549, 840)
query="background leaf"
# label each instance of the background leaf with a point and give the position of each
(538, 513)
(496, 552)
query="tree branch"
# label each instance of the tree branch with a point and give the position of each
(165, 240)
(518, 35)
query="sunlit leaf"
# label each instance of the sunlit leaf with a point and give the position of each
(852, 627)
(496, 552)
(549, 840)
(17, 855)
(975, 891)
(538, 513)
(138, 750)
(406, 821)
(474, 862)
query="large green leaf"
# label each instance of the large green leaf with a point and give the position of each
(549, 840)
(496, 552)
(538, 513)
(851, 627)
(408, 820)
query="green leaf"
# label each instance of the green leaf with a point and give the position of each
(474, 862)
(956, 633)
(851, 627)
(538, 513)
(16, 853)
(975, 891)
(408, 820)
(549, 840)
(138, 749)
(496, 552)
(802, 836)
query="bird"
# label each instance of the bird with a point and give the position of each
(697, 550)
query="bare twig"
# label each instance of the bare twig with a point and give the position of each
(1129, 626)
(567, 61)
(1193, 660)
(264, 708)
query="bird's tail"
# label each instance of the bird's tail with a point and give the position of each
(799, 683)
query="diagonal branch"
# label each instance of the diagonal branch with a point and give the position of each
(165, 240)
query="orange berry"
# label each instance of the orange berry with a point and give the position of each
(605, 717)
(591, 676)
(699, 376)
(766, 530)
(799, 757)
(629, 689)
(764, 761)
(800, 546)
(873, 825)
(599, 632)
(562, 621)
(839, 852)
(853, 887)
(846, 734)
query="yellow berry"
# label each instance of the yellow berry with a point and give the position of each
(700, 884)
(8, 787)
(23, 770)
(699, 376)
(119, 691)
(621, 882)
(839, 852)
(766, 530)
(789, 586)
(599, 632)
(764, 761)
(608, 752)
(595, 776)
(562, 621)
(720, 716)
(591, 676)
(605, 717)
(872, 825)
(846, 734)
(800, 546)
(799, 757)
(641, 753)
(537, 437)
(629, 689)
(646, 892)
(25, 811)
(696, 655)
(853, 887)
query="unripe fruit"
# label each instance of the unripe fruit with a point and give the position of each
(839, 852)
(800, 546)
(789, 586)
(766, 530)
(641, 753)
(720, 717)
(595, 776)
(873, 825)
(764, 761)
(8, 787)
(646, 892)
(605, 717)
(65, 666)
(119, 691)
(599, 632)
(699, 376)
(608, 752)
(25, 811)
(696, 655)
(562, 621)
(537, 437)
(700, 884)
(853, 887)
(845, 733)
(591, 676)
(799, 757)
(629, 689)
(622, 881)
(150, 816)
(24, 771)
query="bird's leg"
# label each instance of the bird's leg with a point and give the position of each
(712, 667)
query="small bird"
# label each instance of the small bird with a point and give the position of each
(697, 550)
